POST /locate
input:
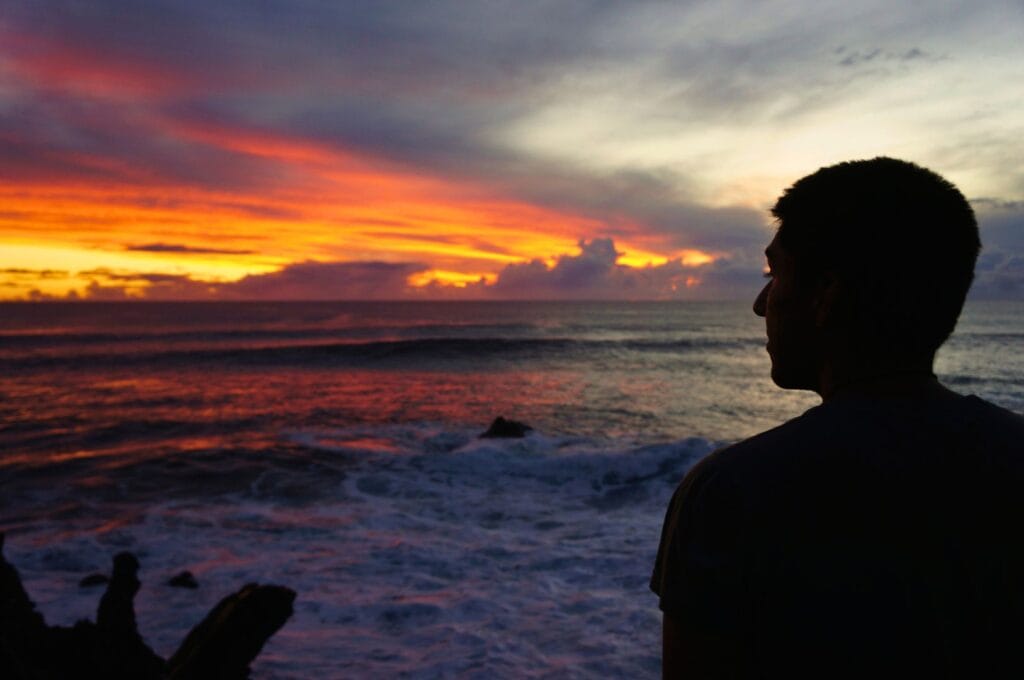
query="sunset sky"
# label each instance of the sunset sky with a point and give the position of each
(304, 149)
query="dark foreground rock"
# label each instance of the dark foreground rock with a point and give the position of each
(502, 428)
(221, 646)
(232, 634)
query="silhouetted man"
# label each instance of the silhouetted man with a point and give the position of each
(880, 533)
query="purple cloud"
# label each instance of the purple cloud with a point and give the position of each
(327, 281)
(180, 248)
(594, 274)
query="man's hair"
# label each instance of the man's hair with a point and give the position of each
(901, 239)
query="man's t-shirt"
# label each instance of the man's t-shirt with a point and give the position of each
(862, 537)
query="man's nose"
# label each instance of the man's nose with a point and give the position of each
(759, 301)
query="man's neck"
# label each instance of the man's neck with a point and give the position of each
(908, 380)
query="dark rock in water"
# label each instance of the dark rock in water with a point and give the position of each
(93, 580)
(183, 580)
(502, 428)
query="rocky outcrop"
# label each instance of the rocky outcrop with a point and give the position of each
(502, 428)
(221, 646)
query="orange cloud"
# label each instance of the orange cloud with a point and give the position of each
(309, 201)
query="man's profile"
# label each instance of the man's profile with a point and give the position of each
(880, 532)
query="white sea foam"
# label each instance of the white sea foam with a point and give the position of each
(429, 553)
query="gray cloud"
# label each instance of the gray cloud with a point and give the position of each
(35, 273)
(1001, 224)
(1000, 269)
(61, 136)
(301, 281)
(877, 54)
(646, 202)
(998, 275)
(180, 248)
(594, 274)
(327, 281)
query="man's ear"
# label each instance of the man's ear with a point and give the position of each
(828, 300)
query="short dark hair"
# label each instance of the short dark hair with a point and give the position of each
(901, 238)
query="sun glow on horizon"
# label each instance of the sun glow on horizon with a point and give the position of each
(440, 277)
(689, 257)
(331, 205)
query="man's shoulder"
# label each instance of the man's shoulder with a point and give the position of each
(874, 429)
(807, 431)
(733, 472)
(996, 434)
(995, 416)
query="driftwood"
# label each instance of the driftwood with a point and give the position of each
(221, 646)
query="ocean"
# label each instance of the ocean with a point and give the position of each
(333, 448)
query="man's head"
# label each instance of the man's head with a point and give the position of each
(871, 257)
